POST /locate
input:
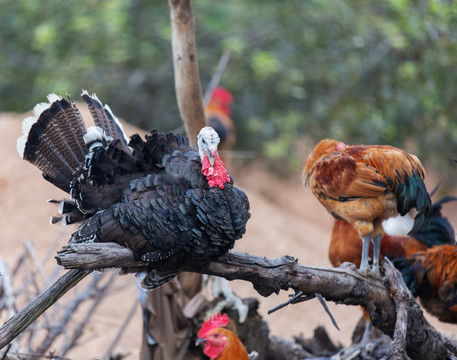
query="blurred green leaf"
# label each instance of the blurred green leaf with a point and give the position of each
(361, 71)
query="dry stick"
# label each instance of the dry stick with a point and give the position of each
(98, 295)
(19, 322)
(217, 76)
(124, 325)
(41, 270)
(57, 329)
(214, 82)
(187, 77)
(403, 301)
(6, 290)
(341, 285)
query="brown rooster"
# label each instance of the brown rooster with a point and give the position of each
(345, 243)
(365, 185)
(221, 343)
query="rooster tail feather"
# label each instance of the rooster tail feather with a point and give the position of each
(412, 193)
(53, 141)
(413, 273)
(438, 231)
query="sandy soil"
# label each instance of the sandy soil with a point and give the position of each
(286, 219)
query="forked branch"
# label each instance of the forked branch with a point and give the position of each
(341, 285)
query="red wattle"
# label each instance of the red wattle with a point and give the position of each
(212, 351)
(217, 174)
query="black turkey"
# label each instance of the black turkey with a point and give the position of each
(170, 204)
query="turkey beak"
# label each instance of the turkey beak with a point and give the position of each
(212, 156)
(200, 341)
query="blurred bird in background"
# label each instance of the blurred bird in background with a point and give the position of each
(431, 275)
(217, 115)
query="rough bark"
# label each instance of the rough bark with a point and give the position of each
(342, 285)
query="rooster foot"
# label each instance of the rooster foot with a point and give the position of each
(370, 272)
(374, 273)
(348, 265)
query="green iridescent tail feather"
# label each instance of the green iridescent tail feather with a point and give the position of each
(412, 193)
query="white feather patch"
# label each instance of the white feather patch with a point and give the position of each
(95, 133)
(93, 96)
(53, 98)
(39, 108)
(398, 225)
(21, 145)
(27, 124)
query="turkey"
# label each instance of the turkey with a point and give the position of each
(170, 204)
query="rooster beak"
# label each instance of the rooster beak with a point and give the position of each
(200, 341)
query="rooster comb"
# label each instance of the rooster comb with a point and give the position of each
(217, 320)
(222, 94)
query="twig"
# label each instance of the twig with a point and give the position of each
(121, 330)
(57, 329)
(19, 322)
(217, 76)
(403, 301)
(32, 253)
(98, 295)
(6, 290)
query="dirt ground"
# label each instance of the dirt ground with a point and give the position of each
(286, 219)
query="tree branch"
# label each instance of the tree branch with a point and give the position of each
(19, 322)
(342, 285)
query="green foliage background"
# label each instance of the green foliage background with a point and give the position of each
(381, 71)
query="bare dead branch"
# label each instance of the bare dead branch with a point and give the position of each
(58, 328)
(121, 330)
(19, 322)
(98, 294)
(341, 285)
(217, 76)
(403, 301)
(187, 77)
(7, 299)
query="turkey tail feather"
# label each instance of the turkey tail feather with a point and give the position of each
(104, 118)
(53, 140)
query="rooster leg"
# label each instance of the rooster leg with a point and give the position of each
(364, 267)
(376, 249)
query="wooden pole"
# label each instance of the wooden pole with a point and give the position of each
(187, 77)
